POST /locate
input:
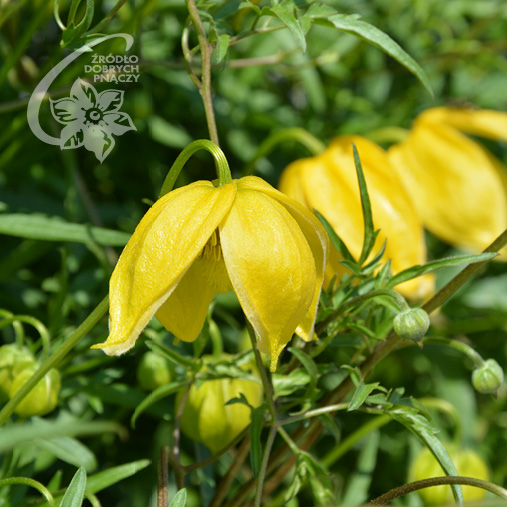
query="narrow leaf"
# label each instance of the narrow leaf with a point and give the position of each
(179, 499)
(75, 492)
(419, 270)
(421, 427)
(55, 229)
(69, 450)
(158, 394)
(360, 394)
(287, 17)
(369, 233)
(222, 47)
(335, 239)
(107, 478)
(371, 34)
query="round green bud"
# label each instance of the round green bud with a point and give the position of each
(43, 398)
(13, 359)
(488, 377)
(412, 324)
(154, 371)
(206, 417)
(468, 464)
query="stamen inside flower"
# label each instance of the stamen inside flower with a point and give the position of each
(213, 260)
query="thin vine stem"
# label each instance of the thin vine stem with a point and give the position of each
(163, 477)
(437, 481)
(24, 481)
(205, 84)
(221, 164)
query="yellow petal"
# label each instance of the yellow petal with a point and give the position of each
(270, 266)
(184, 312)
(164, 245)
(455, 187)
(316, 237)
(330, 186)
(479, 122)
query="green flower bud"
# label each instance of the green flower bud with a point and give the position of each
(13, 359)
(43, 398)
(488, 377)
(208, 420)
(412, 324)
(467, 463)
(154, 371)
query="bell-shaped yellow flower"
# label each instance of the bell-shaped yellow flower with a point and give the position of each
(328, 183)
(200, 240)
(459, 189)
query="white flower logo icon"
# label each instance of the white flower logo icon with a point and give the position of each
(91, 119)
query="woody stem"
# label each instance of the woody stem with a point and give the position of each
(205, 84)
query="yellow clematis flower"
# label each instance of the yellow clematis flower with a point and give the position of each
(328, 183)
(459, 188)
(200, 240)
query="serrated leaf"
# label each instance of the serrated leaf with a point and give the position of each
(336, 240)
(360, 394)
(75, 492)
(255, 439)
(179, 499)
(424, 431)
(55, 229)
(222, 46)
(288, 18)
(371, 34)
(419, 270)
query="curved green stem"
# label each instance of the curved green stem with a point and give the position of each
(37, 324)
(291, 134)
(30, 482)
(457, 345)
(54, 360)
(221, 164)
(437, 481)
(395, 296)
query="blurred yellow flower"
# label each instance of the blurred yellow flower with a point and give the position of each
(200, 240)
(459, 188)
(328, 183)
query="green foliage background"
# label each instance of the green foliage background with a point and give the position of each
(340, 85)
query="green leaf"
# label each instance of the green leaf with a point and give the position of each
(255, 439)
(168, 134)
(335, 239)
(69, 450)
(418, 270)
(158, 394)
(422, 428)
(283, 385)
(359, 483)
(107, 478)
(179, 499)
(360, 394)
(222, 46)
(369, 233)
(75, 492)
(56, 229)
(371, 34)
(288, 18)
(76, 28)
